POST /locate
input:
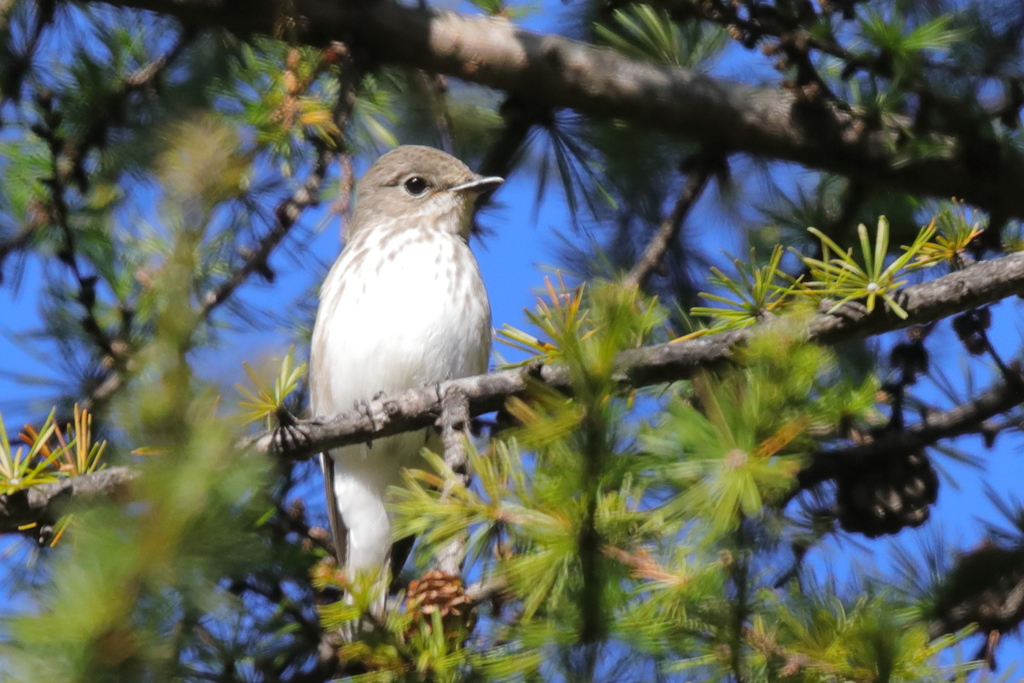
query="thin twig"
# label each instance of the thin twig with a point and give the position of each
(652, 257)
(145, 75)
(504, 153)
(286, 216)
(15, 243)
(291, 208)
(486, 590)
(61, 213)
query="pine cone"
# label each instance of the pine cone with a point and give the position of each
(980, 589)
(885, 500)
(439, 592)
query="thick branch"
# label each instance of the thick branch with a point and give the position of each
(40, 504)
(981, 283)
(557, 72)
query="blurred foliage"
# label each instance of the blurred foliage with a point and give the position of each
(644, 32)
(758, 292)
(268, 400)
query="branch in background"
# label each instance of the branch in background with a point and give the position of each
(68, 166)
(967, 418)
(306, 195)
(651, 260)
(68, 253)
(112, 110)
(287, 214)
(101, 389)
(979, 284)
(436, 87)
(791, 31)
(551, 71)
(505, 152)
(518, 119)
(15, 243)
(984, 587)
(25, 511)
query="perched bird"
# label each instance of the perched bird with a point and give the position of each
(404, 306)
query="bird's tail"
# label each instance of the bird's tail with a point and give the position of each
(339, 532)
(361, 528)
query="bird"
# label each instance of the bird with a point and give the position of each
(403, 306)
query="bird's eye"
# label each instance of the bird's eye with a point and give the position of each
(415, 186)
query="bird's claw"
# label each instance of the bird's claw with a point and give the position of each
(852, 311)
(290, 437)
(375, 412)
(901, 298)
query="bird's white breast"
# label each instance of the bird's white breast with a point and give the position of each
(404, 309)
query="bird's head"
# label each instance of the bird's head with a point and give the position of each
(418, 186)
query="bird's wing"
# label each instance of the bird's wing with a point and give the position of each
(322, 402)
(339, 532)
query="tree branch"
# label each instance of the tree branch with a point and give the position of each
(553, 71)
(17, 242)
(963, 419)
(37, 506)
(979, 284)
(286, 214)
(289, 210)
(26, 510)
(454, 423)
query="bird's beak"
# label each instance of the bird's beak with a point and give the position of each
(479, 185)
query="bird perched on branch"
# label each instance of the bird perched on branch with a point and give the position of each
(403, 306)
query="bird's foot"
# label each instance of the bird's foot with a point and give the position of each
(851, 311)
(290, 437)
(375, 412)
